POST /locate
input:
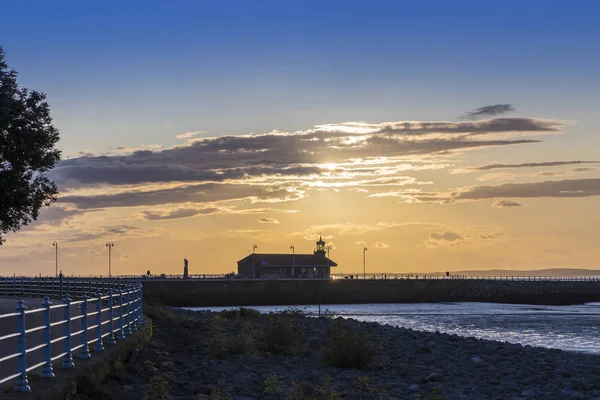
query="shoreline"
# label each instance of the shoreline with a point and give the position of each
(207, 355)
(548, 327)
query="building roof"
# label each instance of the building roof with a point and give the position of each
(287, 260)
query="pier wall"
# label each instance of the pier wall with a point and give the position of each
(206, 293)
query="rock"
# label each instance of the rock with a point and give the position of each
(433, 377)
(413, 388)
(306, 388)
(134, 356)
(476, 359)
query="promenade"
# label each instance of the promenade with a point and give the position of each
(42, 335)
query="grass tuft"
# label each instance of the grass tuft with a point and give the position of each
(348, 348)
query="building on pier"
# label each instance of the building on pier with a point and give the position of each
(297, 266)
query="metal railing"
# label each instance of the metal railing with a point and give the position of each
(467, 277)
(32, 339)
(377, 275)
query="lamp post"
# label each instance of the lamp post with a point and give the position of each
(293, 259)
(254, 247)
(55, 245)
(110, 245)
(365, 262)
(328, 248)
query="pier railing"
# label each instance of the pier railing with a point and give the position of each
(87, 313)
(372, 276)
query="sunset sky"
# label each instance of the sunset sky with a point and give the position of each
(442, 135)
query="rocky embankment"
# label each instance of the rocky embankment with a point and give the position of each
(243, 355)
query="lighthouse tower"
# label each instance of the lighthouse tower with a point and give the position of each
(320, 251)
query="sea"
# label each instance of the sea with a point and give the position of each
(571, 328)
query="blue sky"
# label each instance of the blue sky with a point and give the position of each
(126, 75)
(119, 73)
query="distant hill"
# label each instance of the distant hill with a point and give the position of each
(536, 272)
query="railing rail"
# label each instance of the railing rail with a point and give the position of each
(88, 307)
(378, 275)
(91, 284)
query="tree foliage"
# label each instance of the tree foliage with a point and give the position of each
(27, 139)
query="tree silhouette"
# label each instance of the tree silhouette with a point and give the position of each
(27, 139)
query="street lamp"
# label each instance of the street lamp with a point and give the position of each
(55, 245)
(110, 245)
(365, 262)
(254, 247)
(328, 248)
(293, 260)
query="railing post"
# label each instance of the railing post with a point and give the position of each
(98, 346)
(84, 351)
(141, 310)
(133, 299)
(47, 368)
(120, 333)
(127, 330)
(110, 339)
(67, 361)
(21, 384)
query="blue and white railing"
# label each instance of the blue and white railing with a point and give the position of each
(104, 312)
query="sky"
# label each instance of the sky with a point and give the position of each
(443, 136)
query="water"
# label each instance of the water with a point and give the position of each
(573, 328)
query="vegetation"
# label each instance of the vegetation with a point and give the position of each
(241, 312)
(347, 348)
(157, 388)
(243, 341)
(27, 152)
(217, 345)
(434, 394)
(272, 384)
(280, 334)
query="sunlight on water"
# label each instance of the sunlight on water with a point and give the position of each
(575, 328)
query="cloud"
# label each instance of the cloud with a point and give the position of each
(530, 165)
(121, 229)
(499, 176)
(583, 169)
(202, 193)
(506, 203)
(351, 228)
(127, 149)
(218, 159)
(446, 238)
(548, 173)
(268, 221)
(556, 189)
(278, 166)
(489, 111)
(189, 135)
(563, 188)
(179, 213)
(381, 245)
